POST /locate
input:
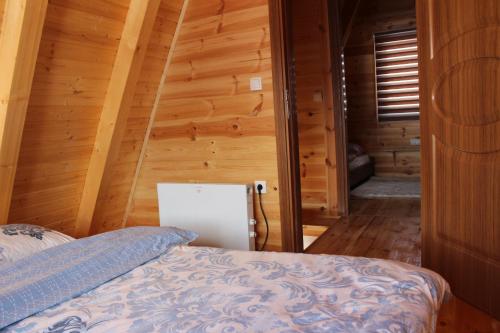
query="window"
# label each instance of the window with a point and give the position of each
(396, 67)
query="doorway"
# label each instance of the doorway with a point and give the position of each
(459, 156)
(368, 141)
(313, 101)
(382, 94)
(319, 102)
(383, 131)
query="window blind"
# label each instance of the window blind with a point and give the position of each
(396, 62)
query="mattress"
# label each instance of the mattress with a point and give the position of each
(197, 289)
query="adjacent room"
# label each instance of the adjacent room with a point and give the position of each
(382, 94)
(249, 166)
(382, 123)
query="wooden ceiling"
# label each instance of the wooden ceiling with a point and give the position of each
(79, 80)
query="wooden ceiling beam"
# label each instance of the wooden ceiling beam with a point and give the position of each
(154, 111)
(348, 13)
(19, 43)
(126, 70)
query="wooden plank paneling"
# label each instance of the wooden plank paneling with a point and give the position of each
(209, 126)
(348, 10)
(77, 51)
(19, 43)
(117, 103)
(2, 5)
(389, 142)
(313, 102)
(112, 209)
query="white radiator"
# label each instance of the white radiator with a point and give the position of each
(222, 215)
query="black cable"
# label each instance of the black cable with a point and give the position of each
(259, 189)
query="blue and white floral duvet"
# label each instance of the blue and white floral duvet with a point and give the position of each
(192, 289)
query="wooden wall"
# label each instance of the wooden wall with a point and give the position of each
(77, 51)
(209, 126)
(309, 33)
(389, 141)
(2, 6)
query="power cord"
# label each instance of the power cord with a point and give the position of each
(259, 191)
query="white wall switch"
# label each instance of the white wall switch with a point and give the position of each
(264, 186)
(318, 97)
(256, 84)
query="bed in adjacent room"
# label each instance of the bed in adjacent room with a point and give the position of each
(149, 280)
(361, 165)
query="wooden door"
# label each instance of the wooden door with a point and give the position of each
(286, 125)
(459, 48)
(293, 121)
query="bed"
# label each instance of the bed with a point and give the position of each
(361, 165)
(149, 280)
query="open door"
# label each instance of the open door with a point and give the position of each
(459, 46)
(292, 125)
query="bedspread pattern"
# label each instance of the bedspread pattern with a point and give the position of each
(47, 278)
(211, 290)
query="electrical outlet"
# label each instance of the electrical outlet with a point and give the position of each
(415, 141)
(264, 186)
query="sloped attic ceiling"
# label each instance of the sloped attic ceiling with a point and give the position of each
(78, 109)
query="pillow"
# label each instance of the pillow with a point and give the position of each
(21, 240)
(355, 149)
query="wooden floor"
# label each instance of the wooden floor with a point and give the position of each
(311, 233)
(377, 229)
(390, 229)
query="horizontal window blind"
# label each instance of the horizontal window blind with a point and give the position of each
(396, 62)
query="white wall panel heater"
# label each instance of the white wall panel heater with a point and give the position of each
(222, 215)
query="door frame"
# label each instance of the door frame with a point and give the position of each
(286, 122)
(286, 129)
(339, 114)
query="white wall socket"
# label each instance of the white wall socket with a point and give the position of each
(415, 141)
(264, 186)
(256, 84)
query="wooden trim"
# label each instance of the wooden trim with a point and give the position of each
(154, 111)
(339, 112)
(286, 136)
(331, 148)
(126, 70)
(22, 28)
